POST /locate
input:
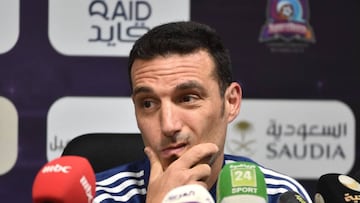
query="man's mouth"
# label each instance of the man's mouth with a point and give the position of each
(173, 150)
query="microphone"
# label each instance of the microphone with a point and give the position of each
(188, 194)
(337, 188)
(291, 197)
(241, 182)
(67, 179)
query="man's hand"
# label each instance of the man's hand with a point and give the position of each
(191, 168)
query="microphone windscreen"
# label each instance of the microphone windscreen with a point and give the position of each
(291, 197)
(188, 194)
(337, 188)
(68, 179)
(241, 182)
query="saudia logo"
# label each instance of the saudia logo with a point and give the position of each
(280, 133)
(304, 148)
(287, 28)
(56, 169)
(243, 144)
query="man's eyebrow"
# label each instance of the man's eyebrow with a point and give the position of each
(190, 85)
(142, 89)
(183, 86)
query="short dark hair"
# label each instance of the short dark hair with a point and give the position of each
(184, 37)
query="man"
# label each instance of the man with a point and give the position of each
(184, 98)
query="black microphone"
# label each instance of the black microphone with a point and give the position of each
(291, 197)
(337, 188)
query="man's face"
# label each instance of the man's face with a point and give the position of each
(178, 104)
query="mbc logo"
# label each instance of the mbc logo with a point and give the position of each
(56, 169)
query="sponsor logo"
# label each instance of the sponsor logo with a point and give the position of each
(243, 143)
(87, 188)
(287, 134)
(243, 176)
(108, 28)
(57, 168)
(287, 27)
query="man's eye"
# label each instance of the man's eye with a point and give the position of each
(147, 104)
(188, 98)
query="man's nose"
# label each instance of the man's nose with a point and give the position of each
(170, 119)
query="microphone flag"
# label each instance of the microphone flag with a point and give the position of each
(241, 182)
(67, 179)
(291, 197)
(192, 193)
(337, 188)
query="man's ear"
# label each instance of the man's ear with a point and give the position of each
(233, 97)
